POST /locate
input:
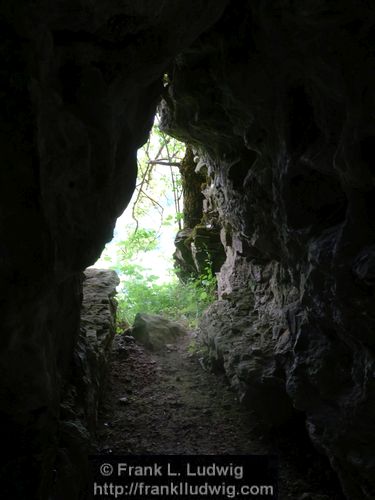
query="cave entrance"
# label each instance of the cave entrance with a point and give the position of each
(155, 276)
(161, 398)
(164, 399)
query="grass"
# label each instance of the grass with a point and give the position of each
(174, 300)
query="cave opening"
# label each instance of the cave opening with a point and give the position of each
(174, 397)
(275, 101)
(161, 248)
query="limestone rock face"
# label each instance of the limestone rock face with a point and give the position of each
(79, 85)
(97, 329)
(198, 246)
(281, 110)
(85, 390)
(198, 250)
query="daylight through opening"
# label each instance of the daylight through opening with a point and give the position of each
(163, 267)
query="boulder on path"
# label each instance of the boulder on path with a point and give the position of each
(154, 331)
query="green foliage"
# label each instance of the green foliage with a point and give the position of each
(157, 203)
(159, 180)
(175, 300)
(141, 240)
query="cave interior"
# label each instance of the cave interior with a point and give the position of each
(275, 99)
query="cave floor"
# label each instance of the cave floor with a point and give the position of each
(167, 403)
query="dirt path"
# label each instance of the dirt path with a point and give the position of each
(166, 403)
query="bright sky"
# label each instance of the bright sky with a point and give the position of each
(158, 261)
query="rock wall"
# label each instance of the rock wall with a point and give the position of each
(78, 89)
(198, 246)
(278, 97)
(84, 391)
